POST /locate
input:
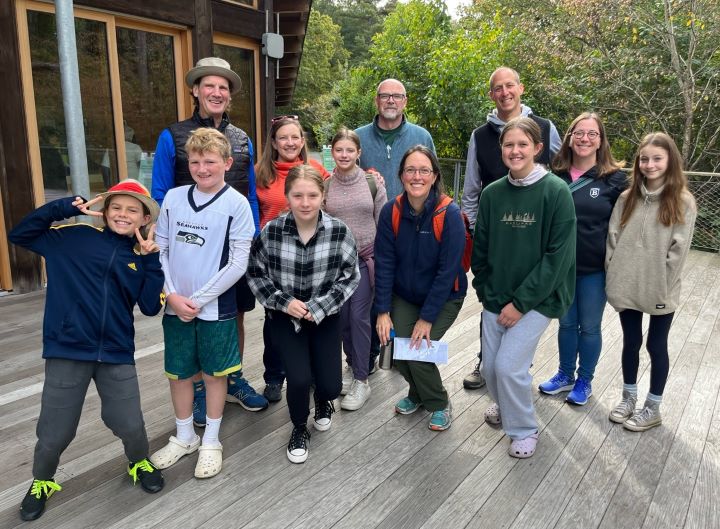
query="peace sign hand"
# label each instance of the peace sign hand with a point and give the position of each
(148, 245)
(85, 206)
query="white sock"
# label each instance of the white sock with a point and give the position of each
(185, 430)
(211, 437)
(654, 398)
(632, 388)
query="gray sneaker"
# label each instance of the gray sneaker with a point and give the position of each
(474, 380)
(644, 419)
(273, 392)
(623, 411)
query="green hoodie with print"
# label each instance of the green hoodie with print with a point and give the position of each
(524, 247)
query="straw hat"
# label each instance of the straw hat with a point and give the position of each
(213, 66)
(134, 189)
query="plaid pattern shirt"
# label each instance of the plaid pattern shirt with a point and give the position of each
(323, 273)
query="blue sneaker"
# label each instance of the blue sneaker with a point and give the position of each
(440, 420)
(199, 408)
(560, 382)
(242, 393)
(580, 392)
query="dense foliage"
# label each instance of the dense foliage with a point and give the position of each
(644, 64)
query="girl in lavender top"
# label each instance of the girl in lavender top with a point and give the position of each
(356, 199)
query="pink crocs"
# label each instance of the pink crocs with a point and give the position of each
(524, 448)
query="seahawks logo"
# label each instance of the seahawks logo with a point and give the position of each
(189, 238)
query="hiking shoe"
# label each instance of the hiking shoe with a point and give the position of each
(406, 406)
(297, 449)
(199, 407)
(33, 504)
(623, 411)
(557, 384)
(440, 420)
(580, 393)
(150, 477)
(474, 380)
(359, 393)
(241, 392)
(644, 419)
(273, 392)
(323, 414)
(347, 380)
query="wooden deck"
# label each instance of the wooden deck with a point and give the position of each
(376, 469)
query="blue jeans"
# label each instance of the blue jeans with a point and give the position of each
(579, 334)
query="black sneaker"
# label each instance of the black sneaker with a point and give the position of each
(33, 504)
(273, 392)
(323, 415)
(150, 477)
(297, 450)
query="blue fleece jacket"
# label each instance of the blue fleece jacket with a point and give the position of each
(386, 158)
(95, 277)
(414, 265)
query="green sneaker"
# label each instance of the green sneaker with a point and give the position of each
(150, 477)
(440, 420)
(406, 406)
(33, 504)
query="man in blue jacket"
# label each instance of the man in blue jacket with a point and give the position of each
(390, 135)
(212, 83)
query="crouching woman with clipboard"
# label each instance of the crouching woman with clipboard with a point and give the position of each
(419, 281)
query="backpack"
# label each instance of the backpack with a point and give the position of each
(438, 221)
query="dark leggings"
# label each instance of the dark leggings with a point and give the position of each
(314, 353)
(657, 347)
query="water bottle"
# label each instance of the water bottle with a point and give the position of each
(386, 352)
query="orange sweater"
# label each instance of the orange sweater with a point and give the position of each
(272, 200)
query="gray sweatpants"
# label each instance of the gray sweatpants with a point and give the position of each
(507, 357)
(66, 383)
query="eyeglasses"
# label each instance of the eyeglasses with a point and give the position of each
(395, 97)
(288, 116)
(591, 134)
(423, 171)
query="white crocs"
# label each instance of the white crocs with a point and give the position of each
(209, 461)
(169, 454)
(524, 448)
(492, 414)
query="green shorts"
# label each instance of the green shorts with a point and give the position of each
(198, 345)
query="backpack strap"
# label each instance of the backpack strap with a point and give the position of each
(396, 214)
(439, 216)
(372, 184)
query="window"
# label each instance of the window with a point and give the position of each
(131, 88)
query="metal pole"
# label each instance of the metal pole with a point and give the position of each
(72, 103)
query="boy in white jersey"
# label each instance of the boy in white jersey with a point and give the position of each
(204, 232)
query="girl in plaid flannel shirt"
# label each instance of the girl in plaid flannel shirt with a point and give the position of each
(303, 267)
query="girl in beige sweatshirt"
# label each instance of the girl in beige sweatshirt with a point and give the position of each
(648, 241)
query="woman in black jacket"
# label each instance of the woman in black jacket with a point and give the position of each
(595, 179)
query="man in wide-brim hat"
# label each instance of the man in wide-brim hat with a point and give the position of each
(212, 82)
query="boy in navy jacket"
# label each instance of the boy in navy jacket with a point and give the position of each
(95, 276)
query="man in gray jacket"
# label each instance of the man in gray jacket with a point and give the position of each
(390, 135)
(484, 158)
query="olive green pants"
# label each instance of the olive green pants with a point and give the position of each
(426, 385)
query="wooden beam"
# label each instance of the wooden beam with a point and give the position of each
(15, 172)
(203, 32)
(181, 12)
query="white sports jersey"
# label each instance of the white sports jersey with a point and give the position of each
(198, 243)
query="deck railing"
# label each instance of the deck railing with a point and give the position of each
(705, 187)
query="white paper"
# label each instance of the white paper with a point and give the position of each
(437, 353)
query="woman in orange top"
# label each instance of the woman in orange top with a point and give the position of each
(284, 149)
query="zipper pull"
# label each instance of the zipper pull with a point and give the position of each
(388, 150)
